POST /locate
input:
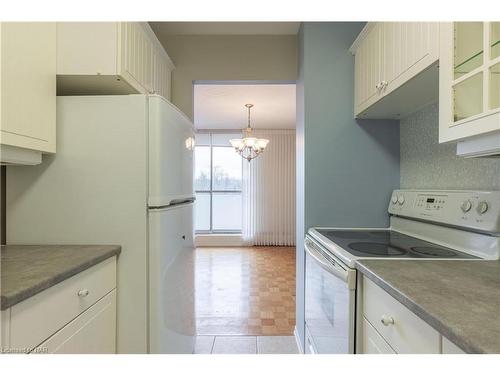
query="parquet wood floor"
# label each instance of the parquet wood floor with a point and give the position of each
(245, 290)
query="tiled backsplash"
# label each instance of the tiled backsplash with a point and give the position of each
(425, 164)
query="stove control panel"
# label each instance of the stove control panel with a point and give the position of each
(477, 210)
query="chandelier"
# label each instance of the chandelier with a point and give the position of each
(249, 147)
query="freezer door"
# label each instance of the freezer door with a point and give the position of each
(171, 280)
(171, 140)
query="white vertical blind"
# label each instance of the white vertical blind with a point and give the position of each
(269, 192)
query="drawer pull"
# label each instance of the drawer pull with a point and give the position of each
(83, 293)
(387, 320)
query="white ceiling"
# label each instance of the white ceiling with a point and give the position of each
(219, 106)
(225, 28)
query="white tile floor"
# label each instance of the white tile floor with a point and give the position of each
(245, 345)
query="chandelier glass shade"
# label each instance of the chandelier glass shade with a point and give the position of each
(249, 147)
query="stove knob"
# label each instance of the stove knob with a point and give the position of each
(466, 206)
(394, 199)
(482, 207)
(401, 199)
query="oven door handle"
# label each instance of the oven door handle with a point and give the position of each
(346, 275)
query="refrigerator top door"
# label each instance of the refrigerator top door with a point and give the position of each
(171, 143)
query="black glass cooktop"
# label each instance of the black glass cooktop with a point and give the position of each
(388, 243)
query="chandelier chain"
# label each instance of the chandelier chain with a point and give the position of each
(249, 106)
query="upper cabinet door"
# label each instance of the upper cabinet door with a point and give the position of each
(494, 67)
(136, 56)
(469, 80)
(388, 55)
(143, 60)
(28, 85)
(408, 48)
(368, 69)
(162, 70)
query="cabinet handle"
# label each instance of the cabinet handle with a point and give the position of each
(83, 293)
(384, 84)
(387, 320)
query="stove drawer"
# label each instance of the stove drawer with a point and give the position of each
(403, 330)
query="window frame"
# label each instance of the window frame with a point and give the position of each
(211, 191)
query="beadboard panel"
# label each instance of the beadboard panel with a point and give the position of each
(425, 164)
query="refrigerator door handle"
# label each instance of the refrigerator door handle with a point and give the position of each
(174, 202)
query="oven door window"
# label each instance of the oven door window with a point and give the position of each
(329, 310)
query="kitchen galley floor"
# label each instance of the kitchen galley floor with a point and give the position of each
(245, 290)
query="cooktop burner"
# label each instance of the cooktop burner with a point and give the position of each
(388, 243)
(377, 249)
(435, 252)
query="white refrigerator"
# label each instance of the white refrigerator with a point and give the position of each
(122, 174)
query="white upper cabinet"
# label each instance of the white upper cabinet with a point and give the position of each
(111, 58)
(368, 68)
(27, 91)
(469, 82)
(395, 68)
(162, 75)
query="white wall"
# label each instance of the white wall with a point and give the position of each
(227, 57)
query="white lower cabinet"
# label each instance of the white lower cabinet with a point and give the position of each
(373, 343)
(388, 327)
(78, 315)
(94, 331)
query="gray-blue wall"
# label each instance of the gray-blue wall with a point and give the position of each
(346, 169)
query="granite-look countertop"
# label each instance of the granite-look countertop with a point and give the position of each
(29, 269)
(460, 299)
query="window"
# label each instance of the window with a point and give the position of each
(217, 182)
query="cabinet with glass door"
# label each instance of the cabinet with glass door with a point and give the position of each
(469, 80)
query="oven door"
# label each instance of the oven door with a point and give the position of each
(329, 302)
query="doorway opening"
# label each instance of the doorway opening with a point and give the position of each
(245, 210)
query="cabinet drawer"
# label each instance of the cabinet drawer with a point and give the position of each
(408, 333)
(93, 332)
(373, 343)
(35, 319)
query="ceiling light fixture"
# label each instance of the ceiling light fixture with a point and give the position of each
(249, 147)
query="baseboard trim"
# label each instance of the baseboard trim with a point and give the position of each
(297, 340)
(218, 240)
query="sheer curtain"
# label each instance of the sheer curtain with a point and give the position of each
(269, 192)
